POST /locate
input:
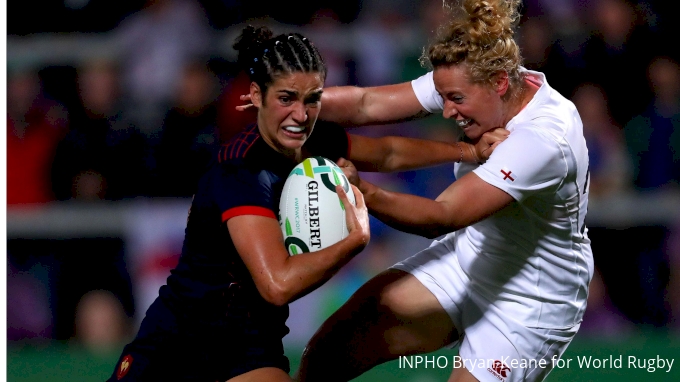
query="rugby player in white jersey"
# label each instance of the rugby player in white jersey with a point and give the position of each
(509, 280)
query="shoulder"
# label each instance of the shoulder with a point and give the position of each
(534, 142)
(237, 147)
(427, 94)
(530, 160)
(329, 140)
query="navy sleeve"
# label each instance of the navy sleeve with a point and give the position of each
(241, 191)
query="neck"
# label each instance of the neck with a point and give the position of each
(520, 100)
(292, 154)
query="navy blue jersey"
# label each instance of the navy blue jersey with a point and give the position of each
(210, 303)
(246, 179)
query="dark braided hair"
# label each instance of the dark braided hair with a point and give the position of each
(266, 58)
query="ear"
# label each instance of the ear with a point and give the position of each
(256, 95)
(501, 82)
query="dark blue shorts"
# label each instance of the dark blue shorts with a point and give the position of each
(197, 347)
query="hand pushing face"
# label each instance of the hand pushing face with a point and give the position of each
(476, 108)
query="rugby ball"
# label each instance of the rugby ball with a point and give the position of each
(311, 215)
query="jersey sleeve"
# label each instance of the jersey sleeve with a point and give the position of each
(329, 140)
(242, 191)
(526, 163)
(426, 93)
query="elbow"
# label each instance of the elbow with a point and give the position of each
(275, 294)
(435, 231)
(431, 234)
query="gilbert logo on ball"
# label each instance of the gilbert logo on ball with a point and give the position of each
(311, 215)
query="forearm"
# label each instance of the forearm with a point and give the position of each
(411, 153)
(279, 277)
(390, 154)
(404, 212)
(305, 272)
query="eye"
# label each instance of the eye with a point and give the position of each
(286, 100)
(457, 99)
(313, 100)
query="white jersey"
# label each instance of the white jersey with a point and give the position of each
(532, 259)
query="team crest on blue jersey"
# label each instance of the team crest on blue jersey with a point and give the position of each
(124, 366)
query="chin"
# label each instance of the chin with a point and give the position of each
(292, 144)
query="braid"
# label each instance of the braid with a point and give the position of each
(303, 56)
(265, 58)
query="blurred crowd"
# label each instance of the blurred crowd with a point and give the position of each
(146, 121)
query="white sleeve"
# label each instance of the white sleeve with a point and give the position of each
(524, 164)
(426, 93)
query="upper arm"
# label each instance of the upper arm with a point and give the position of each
(527, 163)
(469, 200)
(246, 203)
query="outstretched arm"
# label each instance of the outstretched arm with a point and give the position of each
(391, 153)
(355, 106)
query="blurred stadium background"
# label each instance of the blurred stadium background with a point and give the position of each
(113, 108)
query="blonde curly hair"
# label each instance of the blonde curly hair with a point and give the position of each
(481, 35)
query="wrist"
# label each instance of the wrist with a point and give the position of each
(364, 186)
(367, 189)
(460, 148)
(358, 240)
(475, 158)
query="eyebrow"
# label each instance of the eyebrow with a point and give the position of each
(293, 93)
(289, 92)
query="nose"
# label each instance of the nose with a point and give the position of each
(299, 113)
(450, 110)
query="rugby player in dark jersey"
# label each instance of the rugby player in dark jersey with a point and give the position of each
(222, 314)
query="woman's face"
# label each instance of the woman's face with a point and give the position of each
(289, 109)
(476, 108)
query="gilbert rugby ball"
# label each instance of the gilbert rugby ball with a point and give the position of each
(311, 215)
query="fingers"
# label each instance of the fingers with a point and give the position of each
(342, 162)
(358, 196)
(343, 197)
(498, 133)
(486, 153)
(244, 107)
(244, 97)
(489, 141)
(341, 193)
(350, 216)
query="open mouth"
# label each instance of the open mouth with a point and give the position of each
(463, 122)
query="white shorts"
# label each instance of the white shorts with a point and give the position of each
(493, 346)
